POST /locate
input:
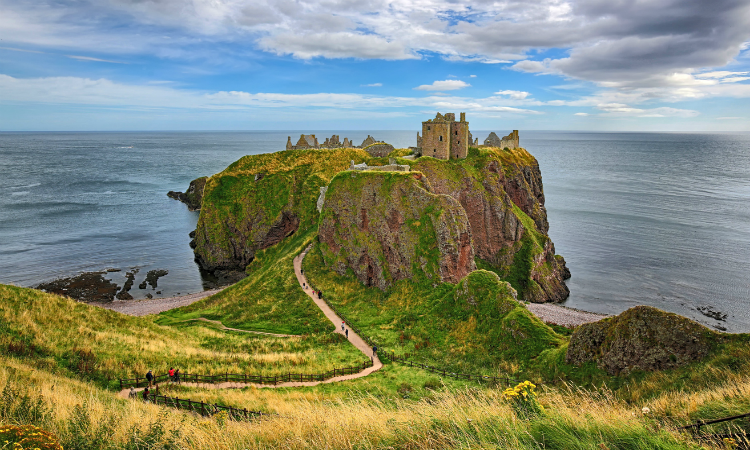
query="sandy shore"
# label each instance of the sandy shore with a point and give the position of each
(561, 315)
(156, 305)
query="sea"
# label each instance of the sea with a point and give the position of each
(660, 219)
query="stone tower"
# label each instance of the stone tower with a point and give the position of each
(445, 138)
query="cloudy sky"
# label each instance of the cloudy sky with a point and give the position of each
(671, 65)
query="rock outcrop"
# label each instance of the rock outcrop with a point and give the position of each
(390, 226)
(641, 338)
(260, 200)
(193, 197)
(489, 186)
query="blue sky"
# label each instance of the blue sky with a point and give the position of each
(624, 65)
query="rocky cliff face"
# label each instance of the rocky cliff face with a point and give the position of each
(500, 190)
(261, 199)
(641, 338)
(389, 226)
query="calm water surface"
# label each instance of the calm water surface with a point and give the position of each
(657, 219)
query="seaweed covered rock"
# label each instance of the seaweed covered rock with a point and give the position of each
(261, 199)
(193, 197)
(389, 226)
(641, 338)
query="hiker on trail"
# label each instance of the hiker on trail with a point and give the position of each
(150, 378)
(347, 333)
(145, 395)
(132, 393)
(177, 376)
(342, 326)
(374, 351)
(171, 374)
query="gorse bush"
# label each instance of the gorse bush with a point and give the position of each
(523, 400)
(14, 437)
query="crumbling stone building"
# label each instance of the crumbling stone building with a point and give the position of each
(305, 141)
(445, 138)
(510, 141)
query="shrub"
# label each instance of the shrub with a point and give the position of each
(523, 400)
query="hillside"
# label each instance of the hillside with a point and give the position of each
(431, 265)
(261, 199)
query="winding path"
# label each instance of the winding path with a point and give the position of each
(217, 322)
(354, 338)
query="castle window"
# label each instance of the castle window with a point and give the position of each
(428, 128)
(456, 133)
(441, 139)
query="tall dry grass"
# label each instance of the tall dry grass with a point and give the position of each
(464, 418)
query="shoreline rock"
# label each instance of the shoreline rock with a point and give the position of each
(193, 197)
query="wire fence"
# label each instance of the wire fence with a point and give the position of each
(244, 378)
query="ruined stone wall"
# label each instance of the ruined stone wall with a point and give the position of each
(511, 141)
(379, 150)
(459, 140)
(435, 139)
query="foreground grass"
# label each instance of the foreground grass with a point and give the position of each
(84, 416)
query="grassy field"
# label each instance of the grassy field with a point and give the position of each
(269, 299)
(84, 416)
(91, 343)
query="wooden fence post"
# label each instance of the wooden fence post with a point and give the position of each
(203, 408)
(136, 382)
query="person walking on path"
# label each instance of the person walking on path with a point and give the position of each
(342, 326)
(374, 351)
(171, 374)
(145, 395)
(150, 378)
(177, 376)
(347, 333)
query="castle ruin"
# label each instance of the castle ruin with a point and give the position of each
(309, 141)
(445, 138)
(510, 141)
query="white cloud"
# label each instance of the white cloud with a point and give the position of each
(720, 74)
(89, 58)
(581, 114)
(445, 85)
(107, 93)
(472, 76)
(372, 85)
(515, 95)
(621, 109)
